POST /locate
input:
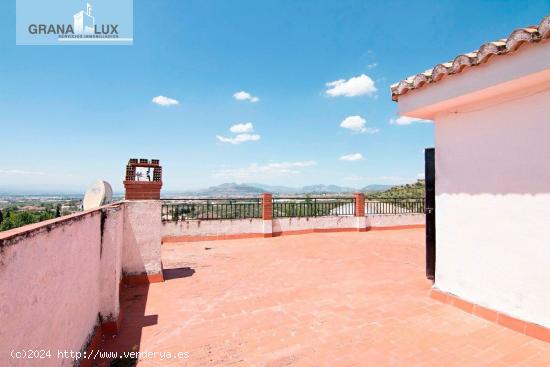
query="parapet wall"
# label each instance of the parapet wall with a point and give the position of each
(60, 279)
(390, 221)
(217, 229)
(293, 225)
(200, 230)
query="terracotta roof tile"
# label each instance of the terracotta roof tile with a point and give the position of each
(517, 38)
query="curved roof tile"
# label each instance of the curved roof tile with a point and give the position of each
(517, 38)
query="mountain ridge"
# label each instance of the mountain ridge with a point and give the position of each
(254, 189)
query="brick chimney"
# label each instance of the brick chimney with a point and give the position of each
(143, 179)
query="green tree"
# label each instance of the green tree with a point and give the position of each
(15, 219)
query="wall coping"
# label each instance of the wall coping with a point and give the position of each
(166, 221)
(13, 236)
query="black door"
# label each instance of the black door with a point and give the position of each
(429, 168)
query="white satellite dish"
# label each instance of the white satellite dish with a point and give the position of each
(99, 194)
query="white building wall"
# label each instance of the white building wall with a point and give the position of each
(493, 205)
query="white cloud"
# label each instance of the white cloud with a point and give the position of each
(352, 157)
(356, 86)
(372, 65)
(18, 172)
(262, 171)
(239, 138)
(404, 120)
(245, 96)
(165, 101)
(242, 130)
(246, 127)
(357, 125)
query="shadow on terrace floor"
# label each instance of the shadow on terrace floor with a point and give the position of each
(133, 301)
(178, 273)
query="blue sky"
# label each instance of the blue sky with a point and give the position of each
(70, 115)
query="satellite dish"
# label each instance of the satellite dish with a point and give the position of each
(99, 194)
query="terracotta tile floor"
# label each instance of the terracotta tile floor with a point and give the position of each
(328, 299)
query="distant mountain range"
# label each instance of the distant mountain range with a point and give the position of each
(255, 189)
(223, 190)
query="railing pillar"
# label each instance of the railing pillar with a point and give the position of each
(267, 206)
(359, 204)
(361, 220)
(267, 214)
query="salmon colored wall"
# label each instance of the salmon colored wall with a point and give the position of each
(59, 279)
(142, 238)
(111, 262)
(56, 277)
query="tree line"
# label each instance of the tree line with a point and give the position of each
(12, 217)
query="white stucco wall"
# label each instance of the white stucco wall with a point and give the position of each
(55, 278)
(312, 223)
(395, 220)
(493, 204)
(211, 227)
(229, 227)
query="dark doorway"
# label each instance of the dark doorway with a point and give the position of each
(429, 174)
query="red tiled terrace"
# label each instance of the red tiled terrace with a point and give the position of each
(331, 299)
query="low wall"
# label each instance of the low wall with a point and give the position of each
(305, 225)
(60, 279)
(391, 221)
(212, 227)
(201, 230)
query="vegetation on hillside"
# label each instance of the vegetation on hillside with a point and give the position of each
(408, 191)
(12, 217)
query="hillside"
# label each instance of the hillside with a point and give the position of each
(408, 191)
(376, 188)
(231, 189)
(324, 189)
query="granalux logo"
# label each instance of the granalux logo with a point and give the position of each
(49, 23)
